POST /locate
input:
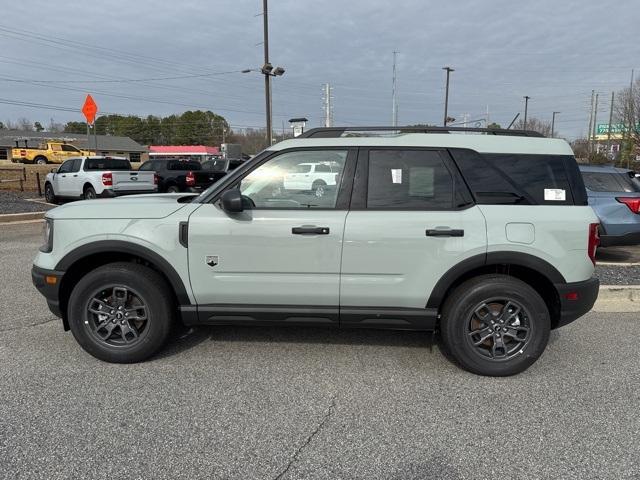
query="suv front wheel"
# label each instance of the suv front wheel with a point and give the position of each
(495, 325)
(121, 312)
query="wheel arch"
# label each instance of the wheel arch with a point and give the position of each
(534, 271)
(87, 257)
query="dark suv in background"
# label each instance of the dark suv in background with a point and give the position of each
(181, 175)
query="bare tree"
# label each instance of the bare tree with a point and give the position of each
(626, 111)
(541, 126)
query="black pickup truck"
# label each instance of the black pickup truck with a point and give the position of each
(181, 175)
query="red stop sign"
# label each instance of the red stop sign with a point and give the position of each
(89, 109)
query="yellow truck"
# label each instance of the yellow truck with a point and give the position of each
(47, 152)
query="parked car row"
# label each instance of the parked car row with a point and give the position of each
(96, 176)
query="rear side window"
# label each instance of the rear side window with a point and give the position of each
(505, 179)
(106, 164)
(184, 166)
(409, 180)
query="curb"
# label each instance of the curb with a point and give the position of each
(618, 298)
(19, 217)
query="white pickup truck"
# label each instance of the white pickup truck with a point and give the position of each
(91, 177)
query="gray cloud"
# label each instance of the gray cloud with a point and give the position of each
(554, 51)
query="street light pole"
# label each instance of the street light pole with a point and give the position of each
(267, 77)
(446, 95)
(553, 124)
(526, 108)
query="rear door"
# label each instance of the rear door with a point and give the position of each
(411, 220)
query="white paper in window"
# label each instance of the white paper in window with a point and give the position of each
(396, 175)
(555, 195)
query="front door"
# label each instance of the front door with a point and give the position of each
(411, 220)
(62, 181)
(279, 259)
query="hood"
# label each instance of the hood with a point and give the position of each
(158, 205)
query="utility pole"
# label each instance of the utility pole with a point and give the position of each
(327, 106)
(267, 77)
(595, 123)
(553, 124)
(526, 108)
(613, 96)
(446, 95)
(593, 93)
(394, 100)
(632, 123)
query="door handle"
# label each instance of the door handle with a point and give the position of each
(76, 175)
(441, 232)
(310, 230)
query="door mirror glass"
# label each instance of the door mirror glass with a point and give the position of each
(232, 201)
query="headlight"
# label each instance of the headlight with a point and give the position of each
(47, 233)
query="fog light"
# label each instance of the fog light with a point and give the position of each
(50, 279)
(571, 296)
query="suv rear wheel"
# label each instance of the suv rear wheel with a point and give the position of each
(121, 312)
(495, 325)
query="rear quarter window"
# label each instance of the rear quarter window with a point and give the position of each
(516, 178)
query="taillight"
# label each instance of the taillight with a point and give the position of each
(23, 153)
(155, 179)
(107, 179)
(632, 202)
(594, 241)
(191, 179)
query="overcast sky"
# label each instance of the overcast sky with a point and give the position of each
(555, 51)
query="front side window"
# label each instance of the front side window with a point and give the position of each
(287, 181)
(408, 179)
(69, 148)
(66, 167)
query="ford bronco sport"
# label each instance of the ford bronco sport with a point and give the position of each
(485, 237)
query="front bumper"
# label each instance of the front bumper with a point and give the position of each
(576, 299)
(43, 281)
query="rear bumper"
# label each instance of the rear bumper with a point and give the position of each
(632, 238)
(50, 291)
(108, 193)
(576, 299)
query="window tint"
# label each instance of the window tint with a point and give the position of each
(66, 167)
(609, 182)
(323, 167)
(106, 164)
(69, 148)
(233, 164)
(147, 166)
(278, 183)
(408, 179)
(77, 163)
(515, 178)
(184, 166)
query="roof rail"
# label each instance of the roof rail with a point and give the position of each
(334, 132)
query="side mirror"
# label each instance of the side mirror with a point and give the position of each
(232, 201)
(54, 170)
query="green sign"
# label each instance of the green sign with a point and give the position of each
(603, 128)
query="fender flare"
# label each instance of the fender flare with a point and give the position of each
(118, 246)
(492, 258)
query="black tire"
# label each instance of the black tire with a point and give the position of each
(89, 193)
(513, 334)
(40, 160)
(173, 189)
(49, 194)
(141, 283)
(319, 188)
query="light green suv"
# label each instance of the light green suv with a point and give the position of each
(484, 236)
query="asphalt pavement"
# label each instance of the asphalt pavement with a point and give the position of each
(254, 403)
